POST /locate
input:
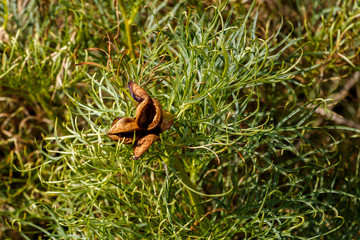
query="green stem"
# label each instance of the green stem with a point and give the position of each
(129, 34)
(6, 14)
(194, 197)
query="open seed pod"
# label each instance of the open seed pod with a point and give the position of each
(123, 129)
(150, 120)
(148, 114)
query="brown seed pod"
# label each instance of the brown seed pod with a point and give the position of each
(137, 92)
(126, 139)
(145, 113)
(123, 129)
(143, 144)
(158, 115)
(123, 125)
(150, 120)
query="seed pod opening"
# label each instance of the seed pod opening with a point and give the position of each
(158, 114)
(145, 113)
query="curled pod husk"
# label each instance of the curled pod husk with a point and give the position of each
(157, 118)
(143, 144)
(145, 113)
(123, 129)
(137, 92)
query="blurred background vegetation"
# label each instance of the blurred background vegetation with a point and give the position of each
(41, 41)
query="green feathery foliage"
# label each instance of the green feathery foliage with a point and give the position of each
(244, 158)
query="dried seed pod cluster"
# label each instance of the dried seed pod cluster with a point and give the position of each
(150, 120)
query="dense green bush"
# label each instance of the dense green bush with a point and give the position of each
(257, 149)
